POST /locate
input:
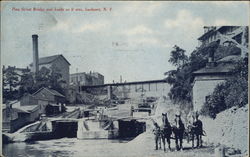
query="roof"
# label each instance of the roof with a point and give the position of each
(16, 106)
(27, 109)
(23, 109)
(18, 110)
(53, 92)
(219, 69)
(56, 93)
(50, 59)
(231, 58)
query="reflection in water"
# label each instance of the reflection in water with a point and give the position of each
(64, 147)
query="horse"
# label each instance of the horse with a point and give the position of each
(178, 130)
(166, 131)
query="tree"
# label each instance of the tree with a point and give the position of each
(10, 79)
(181, 79)
(57, 83)
(27, 82)
(50, 78)
(10, 82)
(178, 56)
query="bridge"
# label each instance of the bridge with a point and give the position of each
(130, 89)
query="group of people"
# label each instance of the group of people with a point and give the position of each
(163, 133)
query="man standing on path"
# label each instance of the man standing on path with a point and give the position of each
(198, 130)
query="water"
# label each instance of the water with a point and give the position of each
(142, 145)
(64, 147)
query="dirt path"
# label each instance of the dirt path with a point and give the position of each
(143, 145)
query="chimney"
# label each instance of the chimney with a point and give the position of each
(211, 62)
(35, 67)
(120, 78)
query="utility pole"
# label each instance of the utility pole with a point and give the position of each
(77, 80)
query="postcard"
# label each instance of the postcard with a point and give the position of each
(124, 79)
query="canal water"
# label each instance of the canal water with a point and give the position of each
(65, 147)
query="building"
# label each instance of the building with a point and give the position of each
(55, 62)
(207, 78)
(43, 96)
(49, 95)
(87, 79)
(226, 35)
(16, 116)
(31, 107)
(217, 71)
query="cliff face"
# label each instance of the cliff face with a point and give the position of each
(229, 128)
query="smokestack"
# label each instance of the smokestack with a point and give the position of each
(211, 62)
(35, 67)
(120, 78)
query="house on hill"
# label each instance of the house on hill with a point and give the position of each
(226, 36)
(207, 78)
(218, 70)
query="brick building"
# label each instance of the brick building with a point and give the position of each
(87, 79)
(58, 62)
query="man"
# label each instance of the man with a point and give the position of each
(198, 130)
(157, 133)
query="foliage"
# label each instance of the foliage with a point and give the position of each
(15, 85)
(178, 57)
(26, 82)
(181, 79)
(233, 92)
(10, 83)
(50, 78)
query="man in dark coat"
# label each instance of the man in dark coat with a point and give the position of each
(198, 128)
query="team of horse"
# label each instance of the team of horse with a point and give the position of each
(164, 133)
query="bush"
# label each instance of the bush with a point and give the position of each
(233, 92)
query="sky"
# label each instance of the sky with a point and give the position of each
(129, 39)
